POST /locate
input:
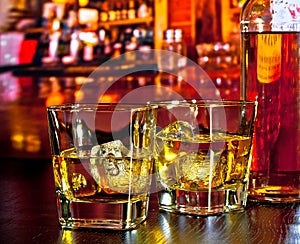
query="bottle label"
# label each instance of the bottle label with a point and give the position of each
(285, 15)
(268, 57)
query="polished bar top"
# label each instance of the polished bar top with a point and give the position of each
(28, 215)
(28, 207)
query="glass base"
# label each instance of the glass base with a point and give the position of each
(122, 215)
(204, 203)
(275, 194)
(192, 203)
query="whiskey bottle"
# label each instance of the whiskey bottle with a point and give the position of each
(270, 37)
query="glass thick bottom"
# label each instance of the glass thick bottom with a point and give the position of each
(192, 203)
(117, 215)
(205, 203)
(279, 187)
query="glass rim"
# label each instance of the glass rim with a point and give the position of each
(204, 102)
(102, 106)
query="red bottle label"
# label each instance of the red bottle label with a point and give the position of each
(268, 57)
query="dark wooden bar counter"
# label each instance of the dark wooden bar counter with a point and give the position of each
(28, 207)
(28, 215)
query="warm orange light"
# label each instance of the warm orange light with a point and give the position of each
(63, 1)
(54, 99)
(108, 98)
(17, 141)
(33, 143)
(56, 25)
(83, 3)
(30, 143)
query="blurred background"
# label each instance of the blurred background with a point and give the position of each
(114, 23)
(48, 49)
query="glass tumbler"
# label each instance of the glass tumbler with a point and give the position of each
(102, 160)
(202, 155)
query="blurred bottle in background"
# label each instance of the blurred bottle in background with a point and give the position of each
(174, 59)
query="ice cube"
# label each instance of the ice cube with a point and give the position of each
(124, 175)
(114, 170)
(196, 170)
(194, 167)
(110, 151)
(113, 149)
(178, 129)
(95, 151)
